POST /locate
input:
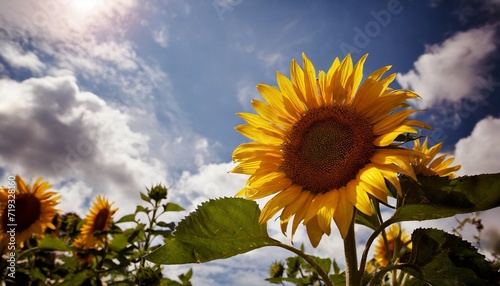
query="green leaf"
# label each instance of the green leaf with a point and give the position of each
(127, 218)
(324, 263)
(145, 198)
(170, 225)
(76, 279)
(438, 197)
(119, 242)
(141, 209)
(301, 281)
(366, 220)
(439, 258)
(186, 277)
(218, 229)
(171, 207)
(292, 266)
(338, 279)
(53, 243)
(336, 268)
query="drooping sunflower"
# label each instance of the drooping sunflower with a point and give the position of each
(97, 220)
(322, 144)
(427, 165)
(31, 209)
(397, 241)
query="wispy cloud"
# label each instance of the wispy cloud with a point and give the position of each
(161, 36)
(246, 91)
(271, 59)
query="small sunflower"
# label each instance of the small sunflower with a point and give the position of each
(98, 219)
(323, 145)
(397, 241)
(428, 166)
(34, 208)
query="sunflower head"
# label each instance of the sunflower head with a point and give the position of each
(398, 243)
(98, 220)
(26, 211)
(322, 145)
(425, 164)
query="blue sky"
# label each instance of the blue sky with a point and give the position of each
(108, 98)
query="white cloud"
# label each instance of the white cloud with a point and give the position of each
(479, 152)
(211, 181)
(14, 54)
(246, 91)
(161, 36)
(66, 135)
(449, 71)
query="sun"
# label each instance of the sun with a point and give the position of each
(84, 6)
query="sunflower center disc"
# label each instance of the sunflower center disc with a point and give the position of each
(101, 219)
(327, 147)
(29, 212)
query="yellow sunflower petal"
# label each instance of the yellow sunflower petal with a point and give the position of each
(275, 98)
(358, 197)
(344, 213)
(292, 208)
(278, 202)
(355, 78)
(286, 88)
(301, 212)
(311, 93)
(341, 90)
(262, 136)
(391, 122)
(387, 138)
(314, 232)
(325, 214)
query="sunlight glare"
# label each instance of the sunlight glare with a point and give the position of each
(84, 6)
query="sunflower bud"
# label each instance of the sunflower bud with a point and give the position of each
(148, 276)
(158, 192)
(276, 270)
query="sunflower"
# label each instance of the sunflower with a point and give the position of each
(428, 166)
(26, 211)
(324, 145)
(397, 241)
(98, 219)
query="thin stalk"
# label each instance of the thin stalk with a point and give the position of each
(380, 275)
(309, 260)
(152, 221)
(353, 277)
(370, 240)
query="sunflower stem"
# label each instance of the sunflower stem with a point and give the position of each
(353, 277)
(311, 262)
